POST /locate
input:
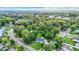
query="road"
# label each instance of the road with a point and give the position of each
(12, 36)
(66, 46)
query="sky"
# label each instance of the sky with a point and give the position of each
(39, 3)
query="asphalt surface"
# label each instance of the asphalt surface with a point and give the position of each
(12, 36)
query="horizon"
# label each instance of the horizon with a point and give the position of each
(37, 8)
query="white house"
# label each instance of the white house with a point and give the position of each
(51, 16)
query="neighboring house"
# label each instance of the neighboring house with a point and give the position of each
(76, 31)
(63, 33)
(70, 36)
(77, 41)
(77, 44)
(12, 49)
(1, 31)
(37, 16)
(2, 46)
(16, 19)
(51, 16)
(66, 18)
(41, 40)
(10, 24)
(58, 17)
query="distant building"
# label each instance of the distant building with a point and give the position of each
(58, 17)
(12, 49)
(16, 18)
(66, 18)
(51, 16)
(36, 16)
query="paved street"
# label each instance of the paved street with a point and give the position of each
(12, 36)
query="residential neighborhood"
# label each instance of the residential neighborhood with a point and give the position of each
(39, 31)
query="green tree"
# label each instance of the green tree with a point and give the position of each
(37, 45)
(69, 41)
(39, 35)
(5, 39)
(19, 47)
(49, 47)
(73, 27)
(26, 36)
(18, 29)
(58, 39)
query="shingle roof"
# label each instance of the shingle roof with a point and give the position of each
(76, 39)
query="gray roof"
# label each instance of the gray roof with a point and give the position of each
(1, 30)
(76, 39)
(41, 39)
(76, 31)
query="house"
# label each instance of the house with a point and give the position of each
(76, 40)
(10, 24)
(1, 31)
(41, 40)
(76, 31)
(66, 18)
(2, 46)
(58, 17)
(12, 49)
(70, 36)
(16, 19)
(37, 16)
(51, 16)
(77, 44)
(63, 33)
